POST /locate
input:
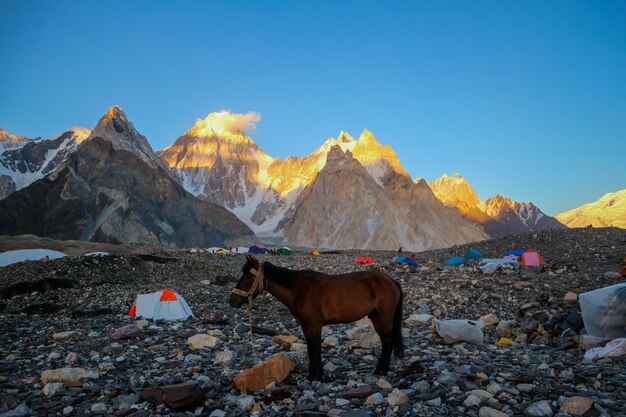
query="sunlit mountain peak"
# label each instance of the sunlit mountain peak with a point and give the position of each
(227, 125)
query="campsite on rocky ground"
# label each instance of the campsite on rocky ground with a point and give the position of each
(69, 348)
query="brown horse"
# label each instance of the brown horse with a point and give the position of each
(317, 299)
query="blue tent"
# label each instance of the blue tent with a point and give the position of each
(473, 254)
(457, 260)
(257, 249)
(405, 260)
(515, 252)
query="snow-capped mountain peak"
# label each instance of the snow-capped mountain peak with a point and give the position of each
(226, 125)
(608, 210)
(115, 127)
(26, 160)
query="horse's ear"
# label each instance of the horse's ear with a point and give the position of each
(249, 258)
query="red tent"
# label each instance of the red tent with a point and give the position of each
(531, 258)
(365, 261)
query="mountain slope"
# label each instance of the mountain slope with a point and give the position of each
(499, 216)
(23, 161)
(112, 188)
(218, 162)
(519, 217)
(346, 207)
(608, 210)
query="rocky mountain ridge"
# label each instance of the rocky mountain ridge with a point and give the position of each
(112, 188)
(275, 197)
(608, 210)
(500, 216)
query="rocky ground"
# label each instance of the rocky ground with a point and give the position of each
(63, 314)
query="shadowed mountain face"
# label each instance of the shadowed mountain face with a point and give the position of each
(113, 189)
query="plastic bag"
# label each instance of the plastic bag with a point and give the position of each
(604, 311)
(453, 331)
(615, 347)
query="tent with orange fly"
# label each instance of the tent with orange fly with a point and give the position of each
(161, 305)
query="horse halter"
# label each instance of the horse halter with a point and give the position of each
(259, 283)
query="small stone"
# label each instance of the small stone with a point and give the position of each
(421, 386)
(52, 389)
(576, 406)
(224, 358)
(217, 413)
(68, 410)
(471, 401)
(397, 397)
(53, 356)
(384, 384)
(340, 402)
(245, 403)
(99, 408)
(587, 341)
(491, 412)
(525, 387)
(419, 320)
(504, 341)
(62, 336)
(201, 341)
(570, 296)
(490, 319)
(520, 285)
(127, 332)
(482, 394)
(504, 328)
(330, 367)
(539, 409)
(435, 402)
(494, 387)
(612, 274)
(374, 399)
(283, 339)
(330, 341)
(71, 358)
(69, 376)
(10, 357)
(298, 347)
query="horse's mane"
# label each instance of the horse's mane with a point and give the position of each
(281, 276)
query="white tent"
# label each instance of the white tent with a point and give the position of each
(161, 305)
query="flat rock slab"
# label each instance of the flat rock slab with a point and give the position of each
(273, 370)
(176, 396)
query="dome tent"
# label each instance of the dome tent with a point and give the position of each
(161, 305)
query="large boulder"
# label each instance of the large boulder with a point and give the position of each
(272, 371)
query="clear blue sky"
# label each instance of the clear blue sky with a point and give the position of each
(524, 98)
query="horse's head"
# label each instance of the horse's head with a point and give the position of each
(246, 284)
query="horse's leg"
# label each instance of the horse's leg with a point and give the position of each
(386, 341)
(313, 335)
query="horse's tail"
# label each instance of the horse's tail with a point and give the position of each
(398, 341)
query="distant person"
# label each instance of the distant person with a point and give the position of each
(613, 322)
(400, 250)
